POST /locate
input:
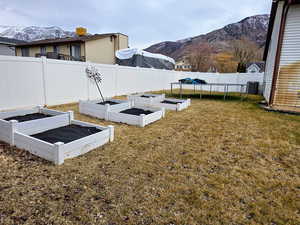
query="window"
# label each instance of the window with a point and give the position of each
(25, 52)
(56, 49)
(43, 50)
(75, 51)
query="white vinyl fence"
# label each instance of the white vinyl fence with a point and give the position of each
(27, 82)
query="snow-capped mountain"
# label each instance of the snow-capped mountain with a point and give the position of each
(253, 28)
(33, 33)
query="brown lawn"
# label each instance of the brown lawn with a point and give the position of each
(218, 162)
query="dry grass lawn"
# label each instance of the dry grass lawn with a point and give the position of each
(218, 162)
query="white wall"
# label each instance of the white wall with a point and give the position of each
(27, 82)
(270, 62)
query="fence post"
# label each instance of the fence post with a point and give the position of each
(142, 120)
(58, 153)
(163, 112)
(87, 63)
(71, 116)
(107, 111)
(111, 133)
(116, 79)
(44, 71)
(13, 129)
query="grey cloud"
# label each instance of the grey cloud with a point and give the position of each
(145, 22)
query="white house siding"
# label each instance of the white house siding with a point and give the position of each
(288, 82)
(270, 63)
(6, 50)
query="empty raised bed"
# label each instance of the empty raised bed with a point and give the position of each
(172, 104)
(145, 99)
(100, 109)
(69, 140)
(34, 120)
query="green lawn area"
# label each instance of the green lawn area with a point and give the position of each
(218, 162)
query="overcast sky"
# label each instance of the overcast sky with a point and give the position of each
(144, 21)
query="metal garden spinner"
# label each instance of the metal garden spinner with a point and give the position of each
(93, 74)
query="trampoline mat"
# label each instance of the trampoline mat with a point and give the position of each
(136, 111)
(66, 134)
(28, 117)
(108, 102)
(148, 96)
(170, 102)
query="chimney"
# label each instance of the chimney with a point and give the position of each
(81, 31)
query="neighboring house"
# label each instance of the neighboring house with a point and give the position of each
(255, 67)
(98, 48)
(212, 69)
(282, 55)
(183, 65)
(7, 46)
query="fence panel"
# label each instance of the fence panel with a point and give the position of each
(108, 84)
(65, 82)
(21, 83)
(27, 82)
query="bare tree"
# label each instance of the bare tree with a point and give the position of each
(225, 62)
(200, 57)
(245, 51)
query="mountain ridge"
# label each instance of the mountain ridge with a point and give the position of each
(34, 33)
(253, 28)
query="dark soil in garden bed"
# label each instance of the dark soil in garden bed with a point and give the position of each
(108, 102)
(148, 96)
(170, 102)
(66, 134)
(136, 111)
(28, 117)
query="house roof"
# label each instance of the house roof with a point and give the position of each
(271, 23)
(10, 41)
(67, 40)
(261, 65)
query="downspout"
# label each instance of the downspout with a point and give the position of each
(279, 48)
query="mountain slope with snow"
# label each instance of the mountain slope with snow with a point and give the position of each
(254, 28)
(33, 33)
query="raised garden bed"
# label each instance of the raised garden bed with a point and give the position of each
(172, 104)
(100, 110)
(29, 120)
(66, 134)
(69, 140)
(145, 99)
(136, 111)
(28, 117)
(139, 116)
(123, 112)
